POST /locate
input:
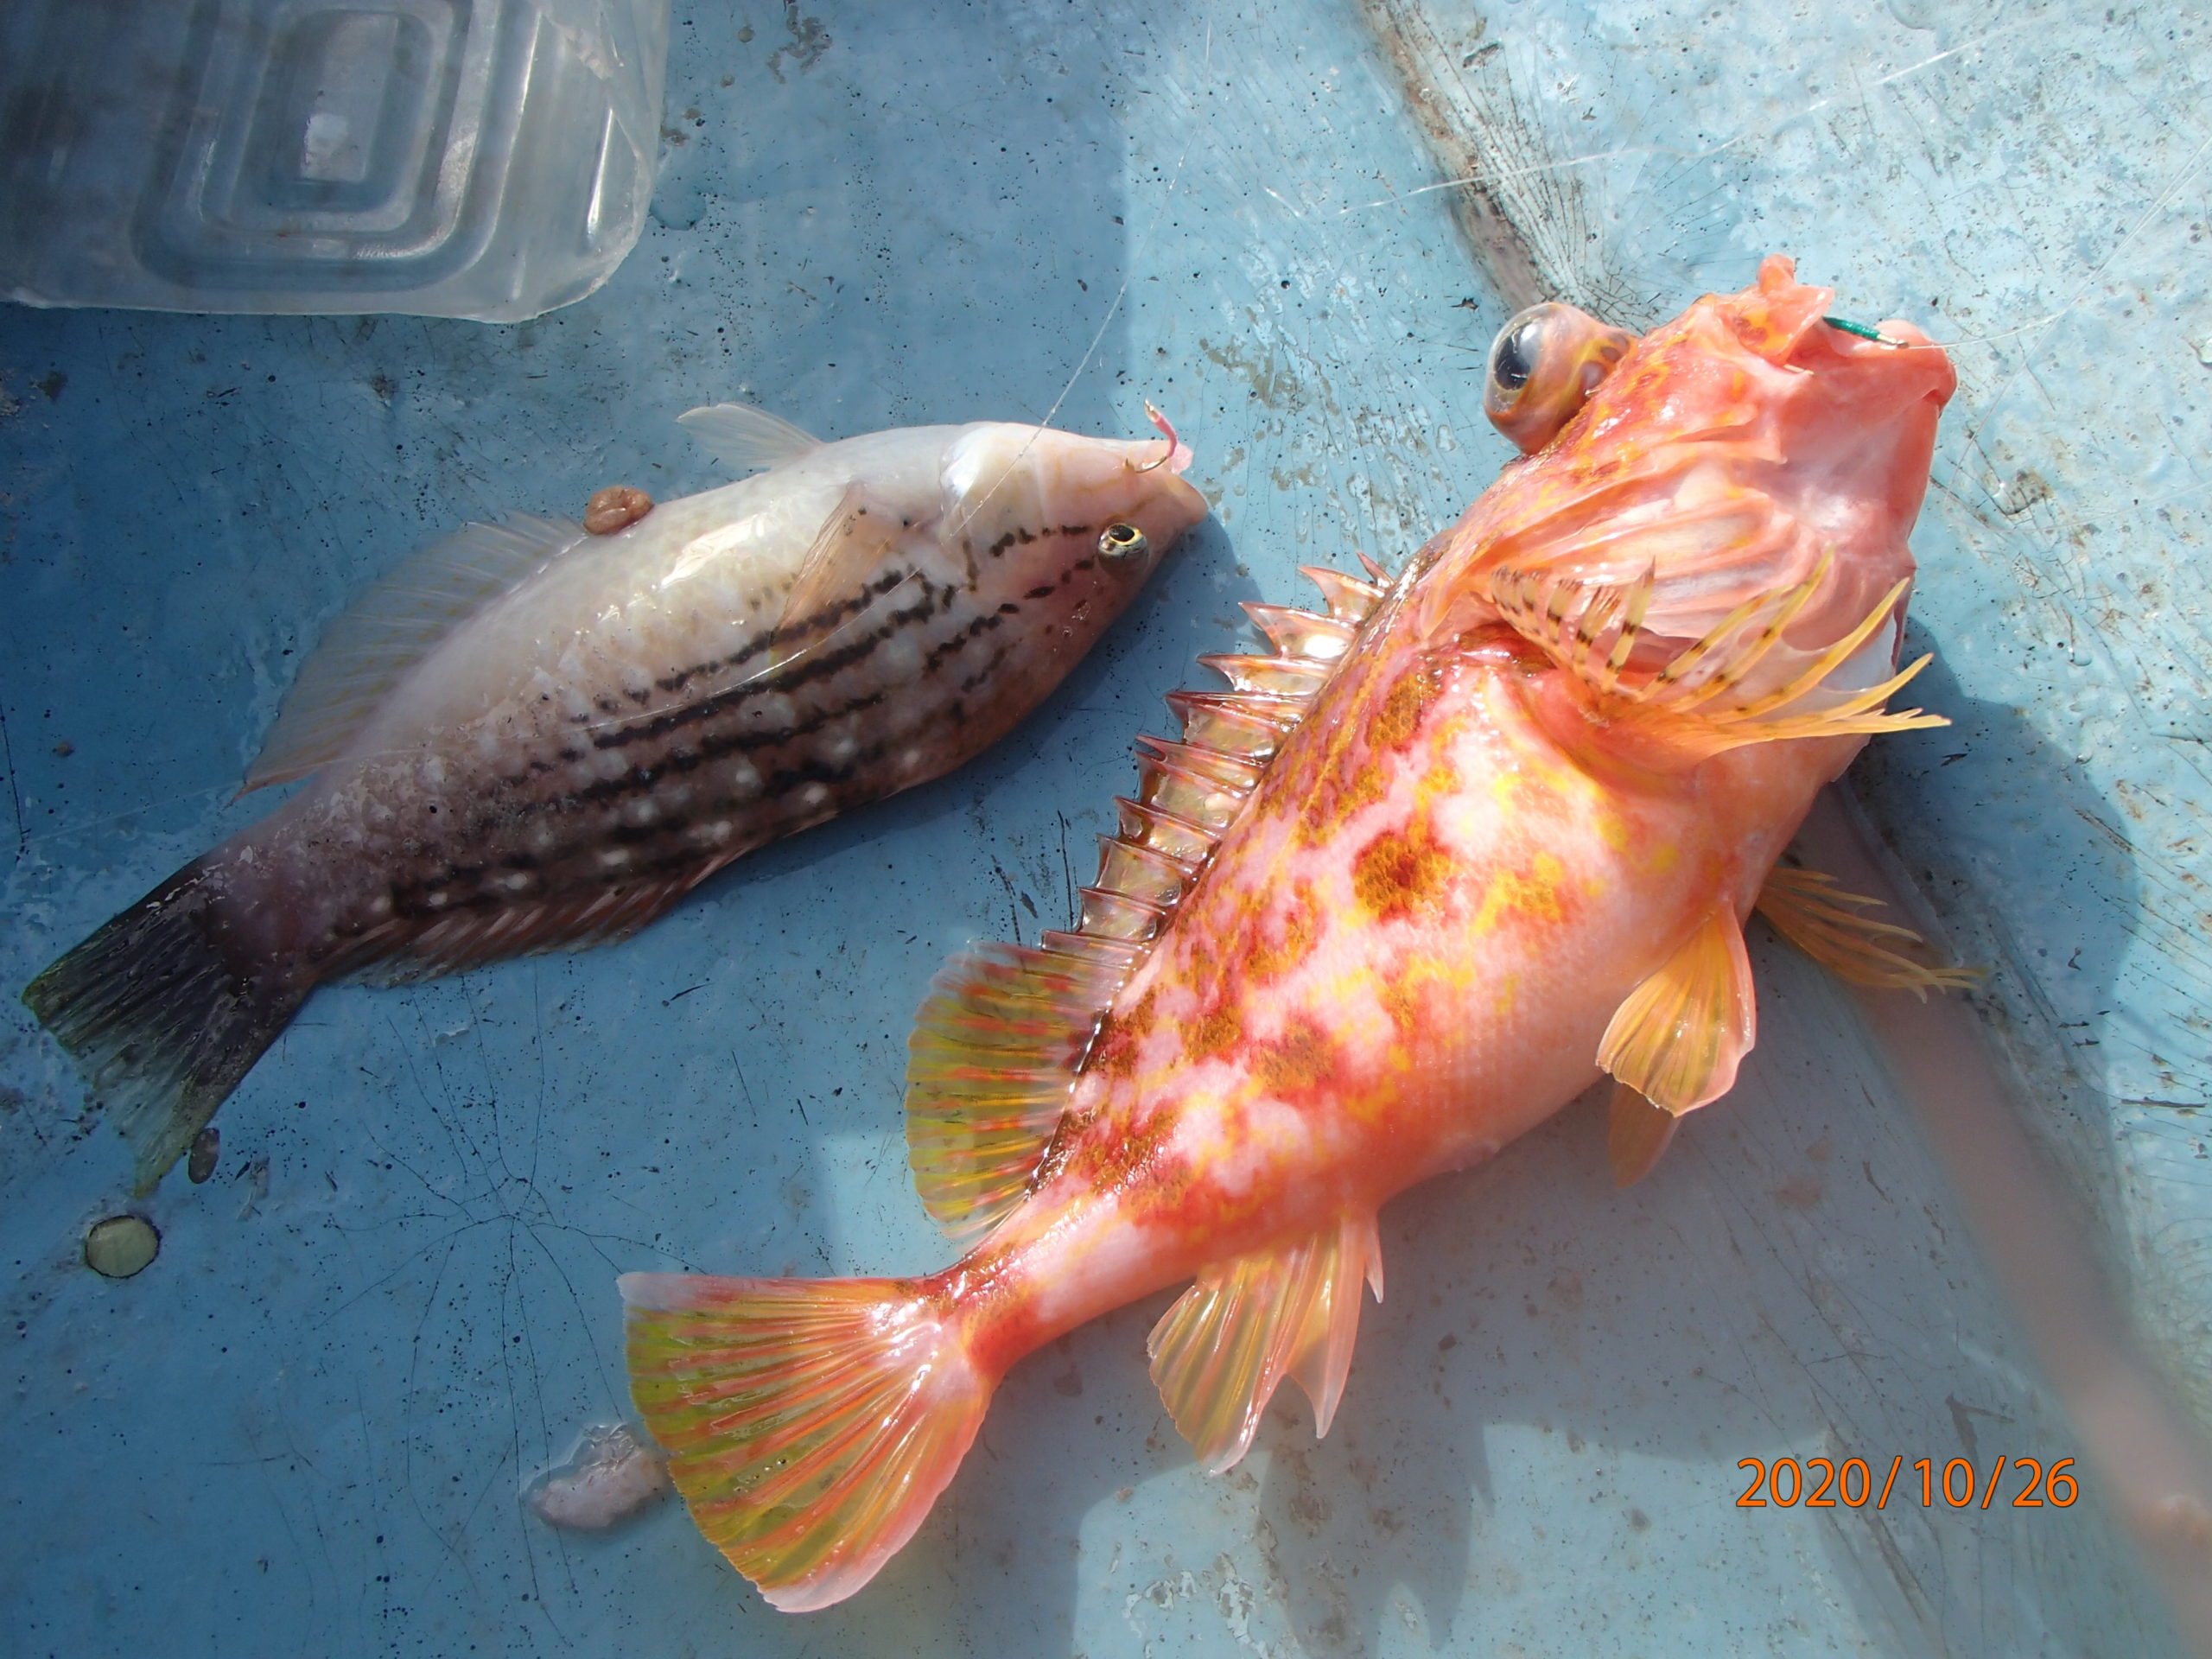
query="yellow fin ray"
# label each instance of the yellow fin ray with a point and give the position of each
(1684, 712)
(1807, 908)
(1679, 1036)
(1220, 1353)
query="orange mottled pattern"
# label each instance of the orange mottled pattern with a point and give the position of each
(1408, 943)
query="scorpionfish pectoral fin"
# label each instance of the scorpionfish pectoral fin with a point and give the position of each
(1679, 1036)
(1291, 1310)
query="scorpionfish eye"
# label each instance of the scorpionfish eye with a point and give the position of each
(1543, 366)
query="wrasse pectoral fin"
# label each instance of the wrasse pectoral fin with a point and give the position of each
(1219, 1353)
(1679, 1036)
(745, 439)
(1636, 1133)
(836, 585)
(1807, 908)
(1693, 707)
(390, 627)
(809, 1424)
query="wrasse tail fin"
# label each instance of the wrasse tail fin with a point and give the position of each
(836, 584)
(1006, 1028)
(391, 626)
(1821, 918)
(161, 1019)
(1695, 707)
(809, 1424)
(745, 439)
(1636, 1133)
(1680, 1035)
(1218, 1354)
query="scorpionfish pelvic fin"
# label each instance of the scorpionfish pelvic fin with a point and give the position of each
(1005, 1029)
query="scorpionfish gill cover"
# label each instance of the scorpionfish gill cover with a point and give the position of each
(1423, 873)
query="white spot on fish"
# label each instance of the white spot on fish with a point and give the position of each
(515, 880)
(381, 905)
(677, 795)
(814, 794)
(900, 658)
(640, 811)
(718, 831)
(438, 899)
(613, 858)
(838, 748)
(541, 837)
(774, 711)
(742, 779)
(432, 770)
(610, 764)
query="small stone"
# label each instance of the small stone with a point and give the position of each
(121, 1246)
(2204, 352)
(207, 1152)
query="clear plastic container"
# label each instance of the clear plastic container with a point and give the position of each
(468, 158)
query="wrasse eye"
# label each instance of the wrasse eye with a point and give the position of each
(1122, 541)
(1543, 366)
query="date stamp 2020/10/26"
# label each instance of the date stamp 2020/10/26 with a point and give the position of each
(1957, 1483)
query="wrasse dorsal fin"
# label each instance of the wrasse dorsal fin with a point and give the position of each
(1696, 704)
(390, 627)
(745, 439)
(837, 580)
(1678, 1036)
(1005, 1029)
(1220, 1353)
(1818, 916)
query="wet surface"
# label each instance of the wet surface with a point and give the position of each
(310, 1424)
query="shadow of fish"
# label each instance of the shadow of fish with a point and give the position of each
(531, 736)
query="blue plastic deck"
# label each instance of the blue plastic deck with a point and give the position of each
(307, 1427)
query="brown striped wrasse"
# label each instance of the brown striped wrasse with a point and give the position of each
(1426, 871)
(531, 735)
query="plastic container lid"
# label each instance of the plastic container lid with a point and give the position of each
(469, 158)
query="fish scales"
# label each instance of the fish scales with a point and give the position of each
(536, 736)
(1448, 856)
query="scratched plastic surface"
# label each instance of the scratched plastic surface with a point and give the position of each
(306, 1428)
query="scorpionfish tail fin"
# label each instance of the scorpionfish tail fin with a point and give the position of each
(1219, 1353)
(1679, 1036)
(1718, 694)
(1007, 1028)
(1811, 911)
(809, 1424)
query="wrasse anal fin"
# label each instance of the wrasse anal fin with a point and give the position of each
(1692, 707)
(1006, 1028)
(1636, 1135)
(1679, 1036)
(853, 541)
(369, 645)
(1807, 908)
(809, 1424)
(1219, 1353)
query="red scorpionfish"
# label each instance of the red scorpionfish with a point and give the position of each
(1423, 872)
